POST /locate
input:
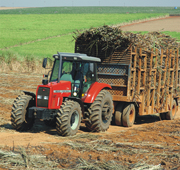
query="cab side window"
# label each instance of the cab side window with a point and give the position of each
(88, 72)
(89, 77)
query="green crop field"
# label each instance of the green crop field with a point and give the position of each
(92, 10)
(43, 35)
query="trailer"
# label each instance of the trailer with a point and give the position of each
(143, 81)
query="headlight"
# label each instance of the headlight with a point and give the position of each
(46, 97)
(39, 97)
(74, 94)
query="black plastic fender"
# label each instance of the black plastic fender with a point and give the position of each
(30, 94)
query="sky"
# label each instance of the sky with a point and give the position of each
(51, 3)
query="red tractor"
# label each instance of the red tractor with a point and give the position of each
(70, 95)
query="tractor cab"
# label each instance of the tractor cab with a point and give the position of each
(78, 69)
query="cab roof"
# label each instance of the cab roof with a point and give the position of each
(76, 56)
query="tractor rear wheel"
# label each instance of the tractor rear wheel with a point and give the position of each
(171, 114)
(128, 116)
(68, 118)
(19, 114)
(100, 112)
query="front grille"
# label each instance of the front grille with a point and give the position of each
(43, 97)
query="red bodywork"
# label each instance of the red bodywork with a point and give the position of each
(56, 98)
(63, 89)
(93, 91)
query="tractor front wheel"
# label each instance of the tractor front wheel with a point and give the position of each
(100, 112)
(68, 118)
(19, 115)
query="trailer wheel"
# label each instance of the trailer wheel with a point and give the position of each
(128, 116)
(68, 118)
(19, 115)
(171, 114)
(118, 114)
(100, 112)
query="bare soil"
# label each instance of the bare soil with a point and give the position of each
(164, 24)
(149, 144)
(6, 8)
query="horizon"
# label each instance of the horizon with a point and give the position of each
(80, 6)
(92, 3)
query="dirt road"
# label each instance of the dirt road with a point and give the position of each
(5, 8)
(166, 24)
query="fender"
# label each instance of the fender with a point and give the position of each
(93, 91)
(30, 94)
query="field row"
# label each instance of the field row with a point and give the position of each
(92, 10)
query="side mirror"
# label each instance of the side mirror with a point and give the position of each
(44, 82)
(44, 63)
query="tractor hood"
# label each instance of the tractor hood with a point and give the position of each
(62, 85)
(51, 95)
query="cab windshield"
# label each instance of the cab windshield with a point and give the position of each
(74, 71)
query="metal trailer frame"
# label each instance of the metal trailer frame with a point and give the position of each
(150, 79)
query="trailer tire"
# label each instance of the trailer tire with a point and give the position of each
(100, 112)
(19, 115)
(118, 114)
(171, 114)
(68, 118)
(128, 116)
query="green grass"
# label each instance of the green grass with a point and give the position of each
(92, 10)
(47, 48)
(173, 34)
(17, 30)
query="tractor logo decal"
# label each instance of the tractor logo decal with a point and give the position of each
(62, 91)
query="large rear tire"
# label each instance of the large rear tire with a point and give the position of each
(68, 118)
(100, 112)
(128, 116)
(19, 114)
(171, 114)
